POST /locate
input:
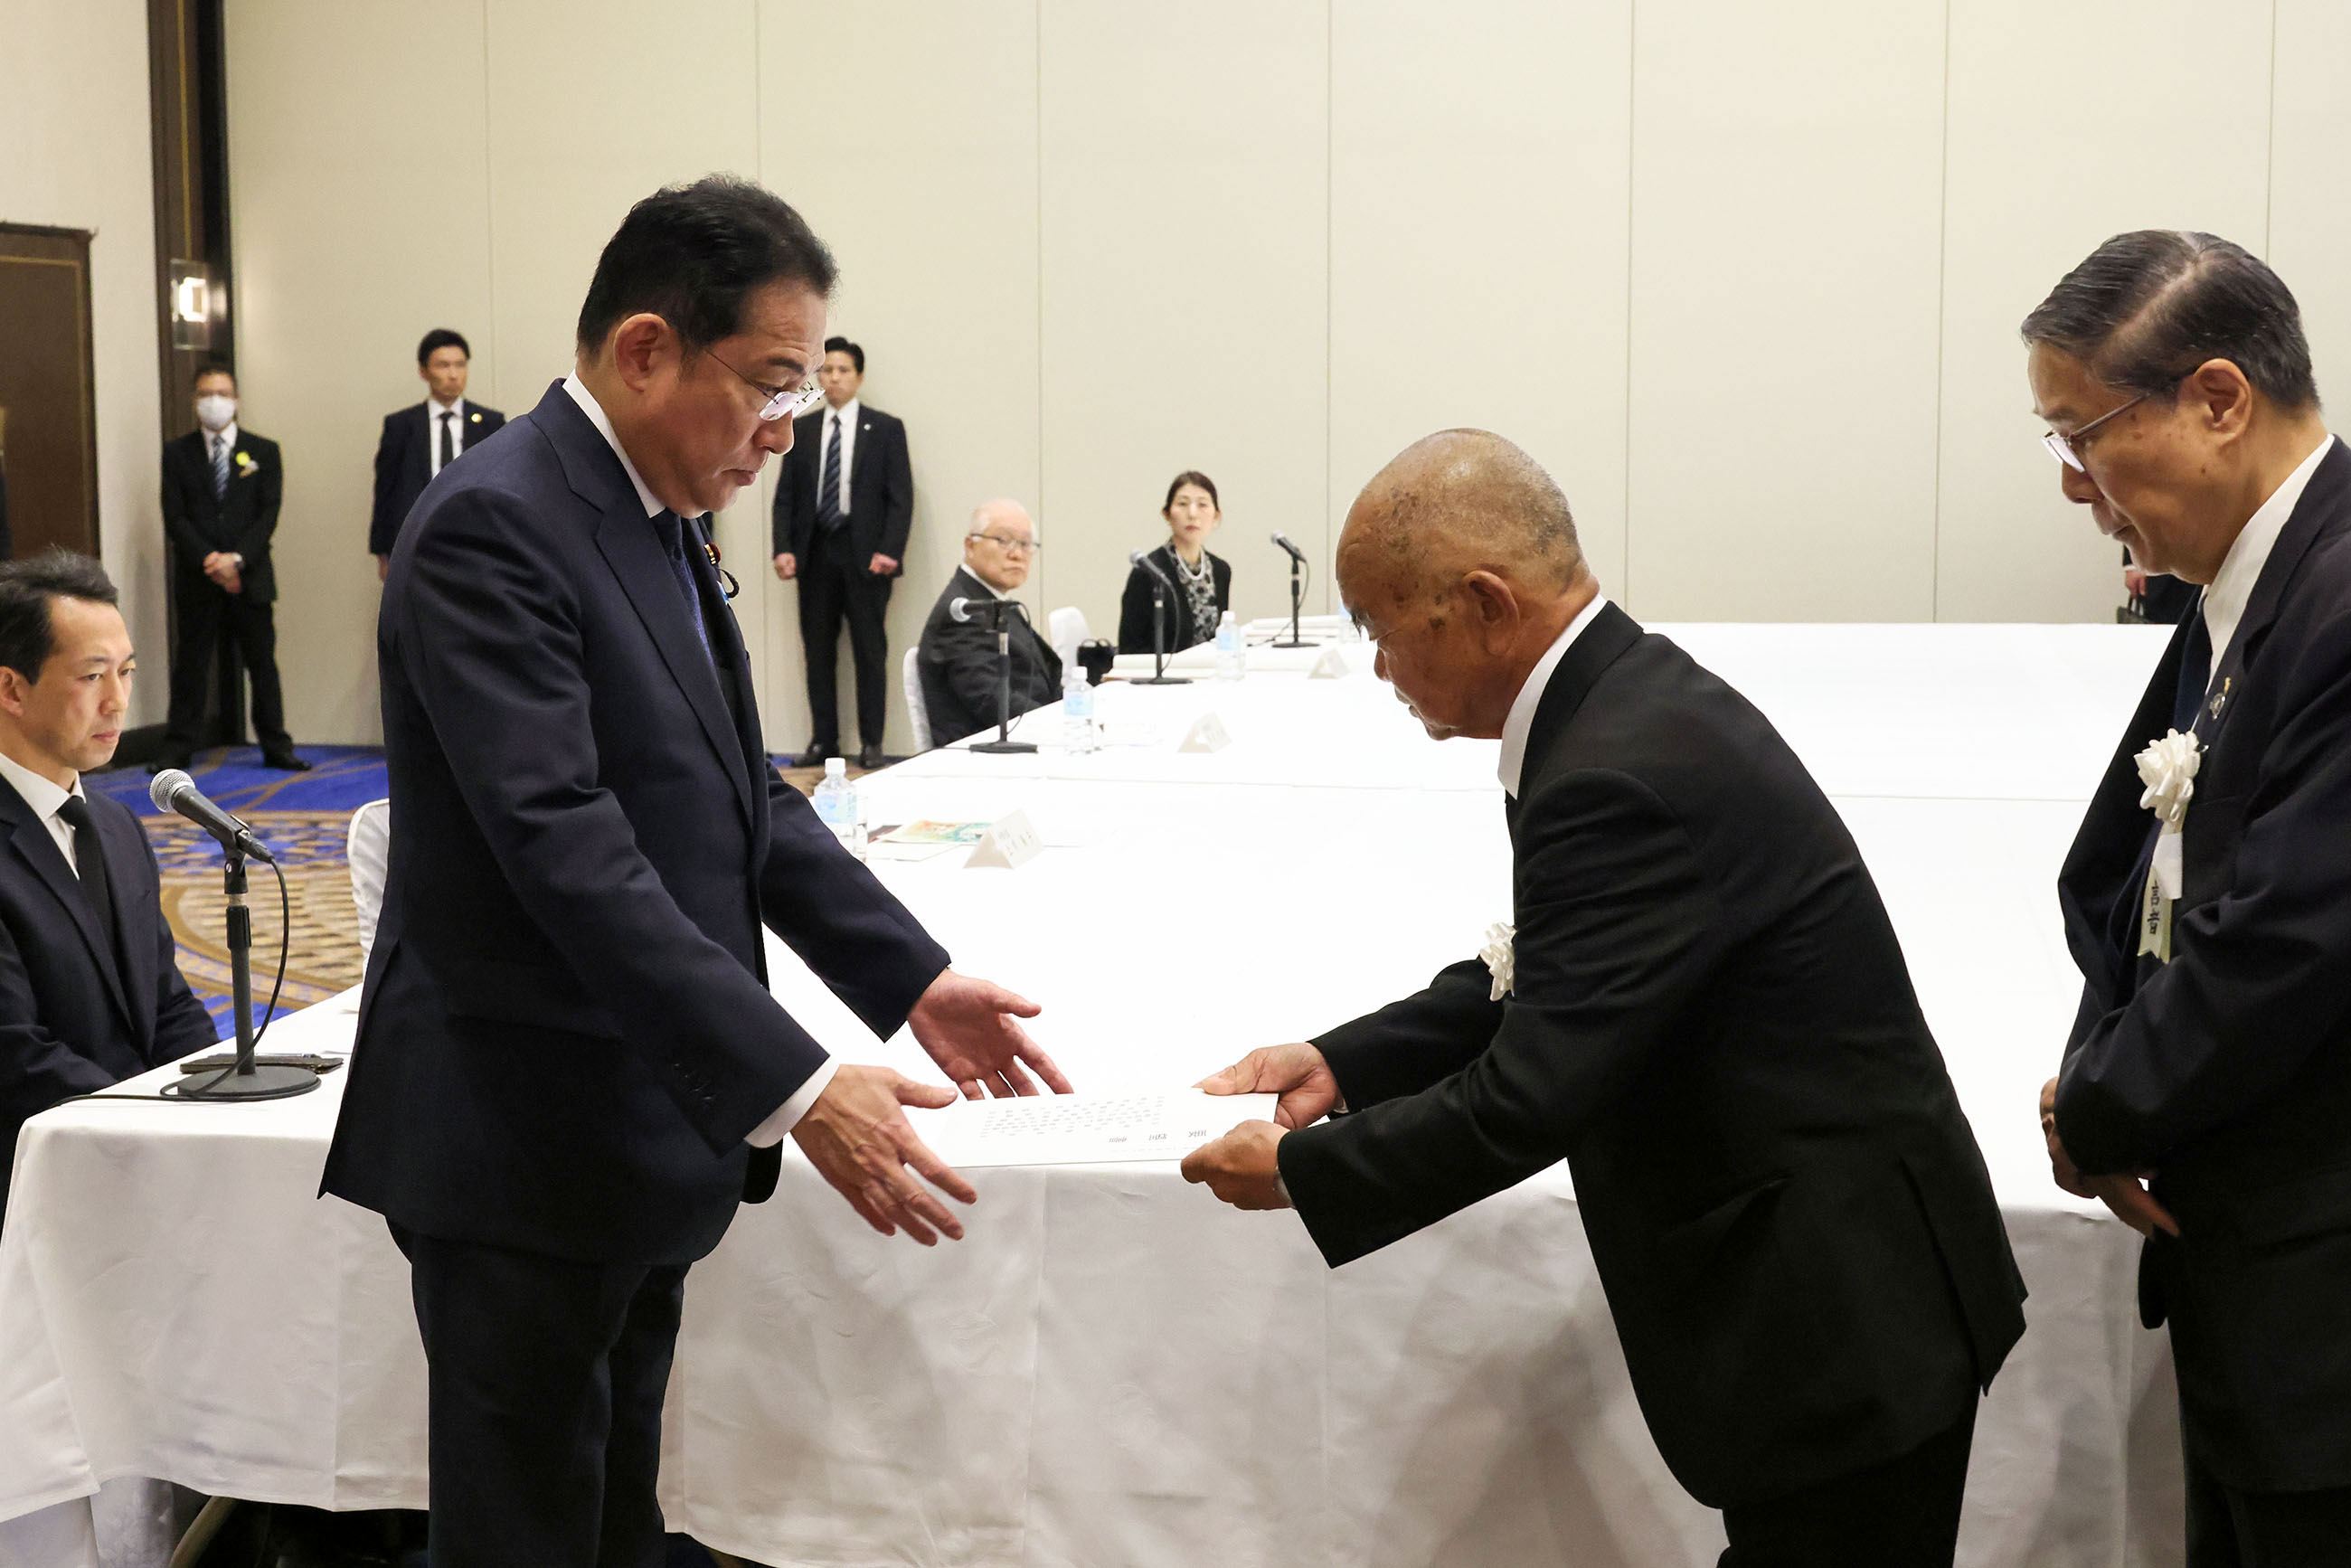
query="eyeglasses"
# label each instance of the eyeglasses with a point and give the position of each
(783, 402)
(2068, 448)
(1010, 547)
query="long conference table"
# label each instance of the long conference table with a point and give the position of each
(1114, 1369)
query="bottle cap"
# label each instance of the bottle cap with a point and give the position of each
(836, 768)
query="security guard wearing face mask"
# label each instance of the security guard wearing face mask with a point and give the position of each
(222, 486)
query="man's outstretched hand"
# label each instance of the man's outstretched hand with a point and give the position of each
(971, 1029)
(1296, 1072)
(1241, 1167)
(858, 1137)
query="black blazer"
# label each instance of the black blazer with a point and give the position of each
(1134, 604)
(565, 1032)
(959, 665)
(74, 1019)
(243, 520)
(403, 462)
(2227, 1072)
(1713, 1025)
(881, 488)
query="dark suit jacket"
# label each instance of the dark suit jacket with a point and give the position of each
(881, 488)
(2228, 1071)
(567, 1033)
(403, 462)
(959, 665)
(1713, 1025)
(1134, 604)
(243, 520)
(74, 1017)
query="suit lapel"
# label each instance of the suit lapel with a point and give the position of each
(1602, 644)
(2323, 500)
(420, 445)
(29, 842)
(126, 852)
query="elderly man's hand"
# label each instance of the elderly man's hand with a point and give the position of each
(968, 1027)
(859, 1139)
(2126, 1196)
(1240, 1168)
(1296, 1072)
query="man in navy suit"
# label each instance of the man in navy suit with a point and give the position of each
(843, 506)
(421, 439)
(2205, 1094)
(570, 1070)
(90, 991)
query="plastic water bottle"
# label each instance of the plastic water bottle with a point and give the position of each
(1232, 664)
(838, 807)
(1078, 734)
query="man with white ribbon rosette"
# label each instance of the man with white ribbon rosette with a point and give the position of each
(2205, 1093)
(1700, 1004)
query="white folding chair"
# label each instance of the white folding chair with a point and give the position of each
(368, 849)
(910, 675)
(1067, 627)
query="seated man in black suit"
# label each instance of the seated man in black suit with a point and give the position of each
(221, 486)
(960, 664)
(421, 439)
(844, 505)
(2211, 1052)
(90, 992)
(1703, 1010)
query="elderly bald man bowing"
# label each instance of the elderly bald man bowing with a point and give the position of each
(1706, 1016)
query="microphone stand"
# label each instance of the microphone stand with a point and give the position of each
(1003, 743)
(248, 1079)
(1297, 599)
(1159, 675)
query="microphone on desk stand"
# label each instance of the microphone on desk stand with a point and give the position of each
(172, 790)
(961, 609)
(1297, 587)
(1161, 587)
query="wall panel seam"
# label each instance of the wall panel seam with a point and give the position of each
(1942, 302)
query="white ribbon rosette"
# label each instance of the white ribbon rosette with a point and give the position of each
(1500, 961)
(2168, 769)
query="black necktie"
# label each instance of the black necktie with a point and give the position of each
(669, 530)
(827, 486)
(448, 438)
(89, 860)
(2195, 672)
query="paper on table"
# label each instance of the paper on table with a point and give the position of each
(1084, 1129)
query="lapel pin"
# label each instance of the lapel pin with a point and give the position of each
(2221, 697)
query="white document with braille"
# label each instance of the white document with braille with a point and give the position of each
(1084, 1129)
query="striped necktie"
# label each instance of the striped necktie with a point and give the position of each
(220, 467)
(828, 486)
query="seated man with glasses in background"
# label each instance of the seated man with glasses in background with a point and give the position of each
(958, 658)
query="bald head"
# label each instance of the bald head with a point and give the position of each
(997, 545)
(1461, 501)
(1459, 558)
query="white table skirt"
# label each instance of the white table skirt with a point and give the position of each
(1112, 1368)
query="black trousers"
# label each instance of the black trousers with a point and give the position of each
(545, 1378)
(205, 615)
(2231, 1529)
(834, 588)
(1901, 1513)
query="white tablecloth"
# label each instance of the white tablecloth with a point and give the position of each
(1113, 1369)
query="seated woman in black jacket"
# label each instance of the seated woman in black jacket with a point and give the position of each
(1203, 583)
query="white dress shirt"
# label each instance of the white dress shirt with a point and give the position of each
(46, 798)
(1521, 717)
(787, 1115)
(433, 410)
(846, 414)
(2233, 587)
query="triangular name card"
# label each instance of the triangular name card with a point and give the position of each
(1207, 734)
(1011, 841)
(1330, 666)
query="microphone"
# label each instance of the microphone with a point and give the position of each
(1295, 553)
(1142, 558)
(173, 790)
(959, 610)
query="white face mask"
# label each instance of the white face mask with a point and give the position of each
(216, 412)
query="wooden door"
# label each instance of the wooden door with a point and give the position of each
(48, 415)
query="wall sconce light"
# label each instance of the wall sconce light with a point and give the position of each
(191, 305)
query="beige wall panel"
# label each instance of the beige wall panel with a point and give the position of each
(1786, 160)
(359, 214)
(2310, 220)
(74, 124)
(1185, 196)
(2047, 159)
(1479, 159)
(906, 133)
